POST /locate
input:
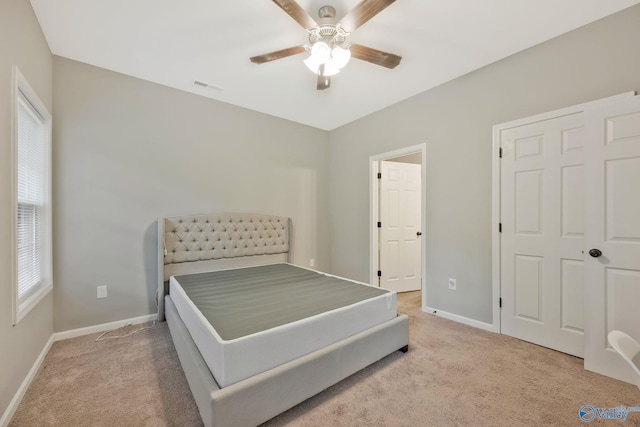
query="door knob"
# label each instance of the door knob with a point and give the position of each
(419, 233)
(595, 252)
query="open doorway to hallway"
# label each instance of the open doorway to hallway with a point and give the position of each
(398, 219)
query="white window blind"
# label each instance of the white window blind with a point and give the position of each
(31, 197)
(32, 200)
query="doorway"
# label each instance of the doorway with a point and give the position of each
(398, 219)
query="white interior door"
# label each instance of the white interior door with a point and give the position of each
(400, 199)
(612, 286)
(542, 266)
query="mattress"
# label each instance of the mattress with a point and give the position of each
(248, 320)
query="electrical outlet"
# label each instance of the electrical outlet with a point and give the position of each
(452, 284)
(312, 262)
(102, 291)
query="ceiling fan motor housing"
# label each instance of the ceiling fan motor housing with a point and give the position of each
(327, 12)
(332, 35)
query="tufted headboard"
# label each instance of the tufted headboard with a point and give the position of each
(206, 242)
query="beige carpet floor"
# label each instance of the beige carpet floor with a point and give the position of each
(453, 375)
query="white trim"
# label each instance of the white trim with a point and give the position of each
(373, 212)
(373, 219)
(460, 319)
(162, 250)
(17, 398)
(495, 232)
(59, 336)
(21, 308)
(73, 333)
(495, 209)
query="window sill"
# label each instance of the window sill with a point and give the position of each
(24, 307)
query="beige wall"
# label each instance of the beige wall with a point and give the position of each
(128, 151)
(455, 121)
(22, 44)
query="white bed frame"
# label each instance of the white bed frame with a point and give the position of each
(249, 239)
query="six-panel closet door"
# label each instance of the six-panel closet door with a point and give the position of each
(570, 240)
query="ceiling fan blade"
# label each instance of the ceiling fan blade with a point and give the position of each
(323, 81)
(261, 59)
(374, 56)
(294, 10)
(364, 11)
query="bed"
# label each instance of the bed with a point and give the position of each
(255, 334)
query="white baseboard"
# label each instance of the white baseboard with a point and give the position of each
(17, 398)
(73, 333)
(461, 319)
(58, 336)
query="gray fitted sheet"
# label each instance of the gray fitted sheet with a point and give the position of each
(244, 301)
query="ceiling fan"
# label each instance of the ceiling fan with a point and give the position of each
(328, 40)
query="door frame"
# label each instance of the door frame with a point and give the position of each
(496, 190)
(374, 189)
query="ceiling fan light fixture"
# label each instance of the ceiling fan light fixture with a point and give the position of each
(330, 69)
(340, 56)
(336, 60)
(312, 64)
(321, 52)
(328, 47)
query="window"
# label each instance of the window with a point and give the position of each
(32, 198)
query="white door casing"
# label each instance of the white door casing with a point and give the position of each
(542, 189)
(400, 217)
(612, 280)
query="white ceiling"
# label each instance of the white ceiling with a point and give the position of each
(175, 42)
